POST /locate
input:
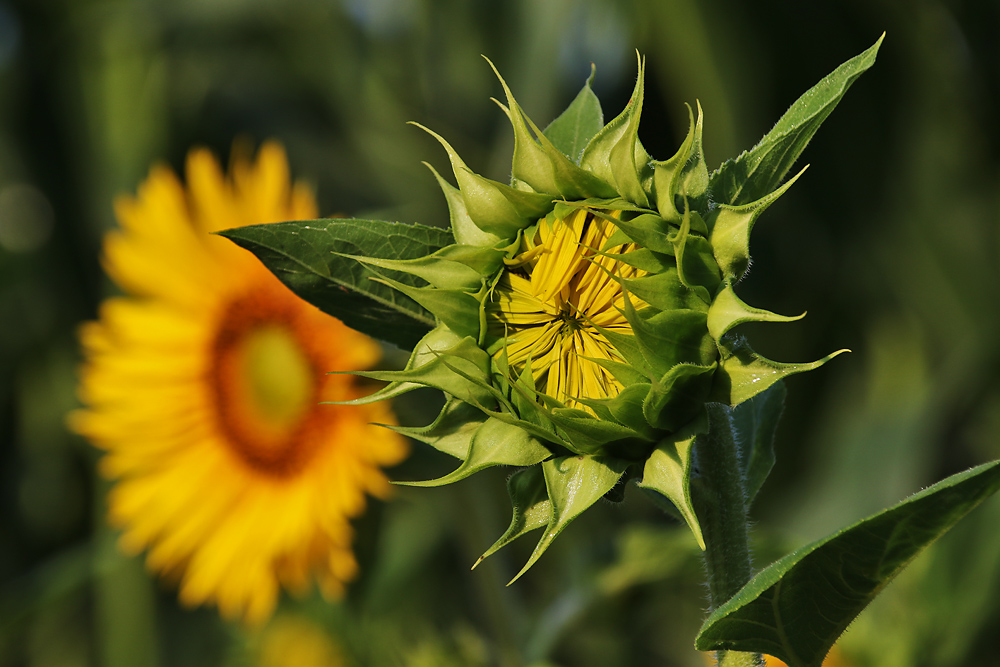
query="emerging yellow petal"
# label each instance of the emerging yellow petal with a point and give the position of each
(555, 301)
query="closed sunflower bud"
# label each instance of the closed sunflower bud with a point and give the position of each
(585, 314)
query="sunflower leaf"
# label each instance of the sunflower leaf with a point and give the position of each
(761, 169)
(452, 267)
(302, 255)
(796, 608)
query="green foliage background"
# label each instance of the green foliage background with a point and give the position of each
(890, 240)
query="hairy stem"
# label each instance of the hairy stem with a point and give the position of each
(719, 497)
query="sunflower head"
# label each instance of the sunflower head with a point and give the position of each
(584, 314)
(204, 385)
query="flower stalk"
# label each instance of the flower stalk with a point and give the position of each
(720, 500)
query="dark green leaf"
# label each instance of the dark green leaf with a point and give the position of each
(759, 171)
(755, 422)
(796, 608)
(302, 255)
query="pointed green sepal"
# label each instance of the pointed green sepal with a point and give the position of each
(649, 231)
(647, 260)
(668, 473)
(538, 163)
(494, 207)
(573, 484)
(495, 443)
(615, 154)
(696, 266)
(438, 340)
(729, 311)
(678, 396)
(743, 373)
(685, 174)
(532, 508)
(669, 338)
(626, 408)
(590, 435)
(731, 227)
(456, 308)
(797, 608)
(665, 291)
(463, 228)
(451, 431)
(462, 370)
(452, 267)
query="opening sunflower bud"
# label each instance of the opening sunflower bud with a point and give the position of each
(580, 318)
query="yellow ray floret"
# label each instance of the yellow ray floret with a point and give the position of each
(555, 300)
(203, 387)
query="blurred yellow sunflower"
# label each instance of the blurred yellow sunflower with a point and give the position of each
(203, 387)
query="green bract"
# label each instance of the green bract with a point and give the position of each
(584, 313)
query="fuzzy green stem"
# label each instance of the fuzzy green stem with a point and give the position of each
(719, 496)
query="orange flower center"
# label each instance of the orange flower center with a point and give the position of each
(265, 383)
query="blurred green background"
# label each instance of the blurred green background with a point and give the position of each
(890, 240)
